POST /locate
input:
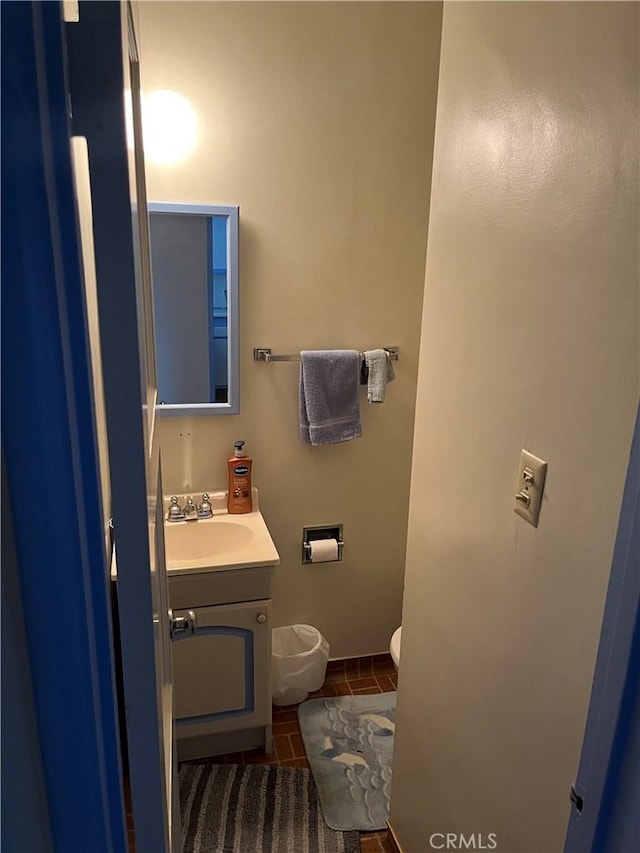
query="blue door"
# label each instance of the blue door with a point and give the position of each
(605, 814)
(61, 770)
(63, 776)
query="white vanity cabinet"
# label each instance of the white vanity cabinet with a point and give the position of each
(222, 662)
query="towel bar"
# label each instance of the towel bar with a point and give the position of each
(264, 354)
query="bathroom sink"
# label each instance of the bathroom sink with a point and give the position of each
(222, 542)
(189, 541)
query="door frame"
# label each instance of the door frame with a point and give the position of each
(103, 72)
(49, 444)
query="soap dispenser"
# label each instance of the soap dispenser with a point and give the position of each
(239, 497)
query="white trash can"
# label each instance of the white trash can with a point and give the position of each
(299, 662)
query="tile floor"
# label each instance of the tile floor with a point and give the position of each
(375, 674)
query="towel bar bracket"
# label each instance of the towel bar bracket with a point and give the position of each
(265, 354)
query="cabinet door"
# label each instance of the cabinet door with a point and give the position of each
(222, 671)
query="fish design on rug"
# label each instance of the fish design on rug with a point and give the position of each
(349, 741)
(357, 752)
(343, 749)
(386, 727)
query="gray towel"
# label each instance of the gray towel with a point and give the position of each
(329, 396)
(381, 371)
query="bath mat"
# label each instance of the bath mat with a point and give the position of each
(228, 808)
(349, 744)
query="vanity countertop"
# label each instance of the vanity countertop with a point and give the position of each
(223, 542)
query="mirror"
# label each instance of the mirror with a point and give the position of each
(194, 268)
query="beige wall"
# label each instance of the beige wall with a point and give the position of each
(317, 119)
(529, 339)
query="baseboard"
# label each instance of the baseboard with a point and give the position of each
(393, 838)
(378, 656)
(382, 654)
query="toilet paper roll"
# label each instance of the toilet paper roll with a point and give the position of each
(324, 550)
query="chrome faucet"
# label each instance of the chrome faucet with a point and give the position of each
(190, 510)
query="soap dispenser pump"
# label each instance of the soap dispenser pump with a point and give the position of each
(239, 497)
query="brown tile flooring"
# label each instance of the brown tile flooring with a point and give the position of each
(375, 674)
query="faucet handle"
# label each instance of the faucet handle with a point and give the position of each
(205, 509)
(176, 513)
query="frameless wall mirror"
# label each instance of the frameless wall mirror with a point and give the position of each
(194, 267)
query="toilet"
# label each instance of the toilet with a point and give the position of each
(394, 647)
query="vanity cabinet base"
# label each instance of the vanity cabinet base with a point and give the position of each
(223, 743)
(222, 679)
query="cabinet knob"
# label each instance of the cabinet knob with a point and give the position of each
(261, 618)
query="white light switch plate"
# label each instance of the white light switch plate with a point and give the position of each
(529, 487)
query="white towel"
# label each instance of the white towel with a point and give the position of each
(381, 371)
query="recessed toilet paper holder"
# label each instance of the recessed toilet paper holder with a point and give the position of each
(321, 531)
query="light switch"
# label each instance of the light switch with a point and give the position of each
(529, 487)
